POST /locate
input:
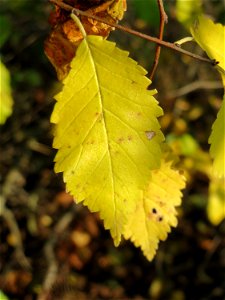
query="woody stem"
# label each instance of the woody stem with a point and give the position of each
(134, 32)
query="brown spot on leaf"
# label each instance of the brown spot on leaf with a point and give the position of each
(150, 134)
(120, 140)
(154, 211)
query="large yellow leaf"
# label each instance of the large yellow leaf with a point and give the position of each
(156, 212)
(6, 101)
(211, 37)
(107, 131)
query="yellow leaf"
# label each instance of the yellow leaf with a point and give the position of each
(187, 11)
(217, 141)
(210, 37)
(104, 115)
(6, 101)
(156, 212)
(117, 9)
(216, 202)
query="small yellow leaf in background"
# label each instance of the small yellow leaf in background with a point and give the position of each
(217, 141)
(6, 101)
(104, 115)
(216, 202)
(187, 11)
(211, 38)
(195, 160)
(155, 212)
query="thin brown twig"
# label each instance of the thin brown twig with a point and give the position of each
(163, 20)
(134, 32)
(15, 231)
(53, 265)
(196, 85)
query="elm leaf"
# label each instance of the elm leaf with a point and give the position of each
(102, 115)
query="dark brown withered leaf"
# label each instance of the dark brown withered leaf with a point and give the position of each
(60, 47)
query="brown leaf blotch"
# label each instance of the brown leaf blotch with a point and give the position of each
(61, 45)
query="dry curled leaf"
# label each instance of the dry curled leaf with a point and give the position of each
(65, 37)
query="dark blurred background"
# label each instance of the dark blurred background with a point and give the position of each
(53, 249)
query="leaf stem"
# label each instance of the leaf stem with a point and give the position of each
(134, 32)
(79, 24)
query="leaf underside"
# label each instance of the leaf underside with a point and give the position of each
(103, 118)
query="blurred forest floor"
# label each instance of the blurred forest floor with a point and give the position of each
(52, 248)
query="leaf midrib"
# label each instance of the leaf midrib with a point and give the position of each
(96, 77)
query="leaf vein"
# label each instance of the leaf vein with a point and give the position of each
(129, 157)
(73, 94)
(94, 169)
(75, 117)
(126, 99)
(130, 127)
(106, 133)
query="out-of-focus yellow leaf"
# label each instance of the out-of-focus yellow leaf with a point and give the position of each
(156, 212)
(217, 141)
(107, 133)
(211, 37)
(216, 202)
(6, 101)
(199, 160)
(187, 11)
(3, 296)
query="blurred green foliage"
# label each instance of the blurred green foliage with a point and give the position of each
(146, 10)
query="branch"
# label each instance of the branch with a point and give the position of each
(15, 231)
(134, 32)
(163, 20)
(53, 266)
(196, 85)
